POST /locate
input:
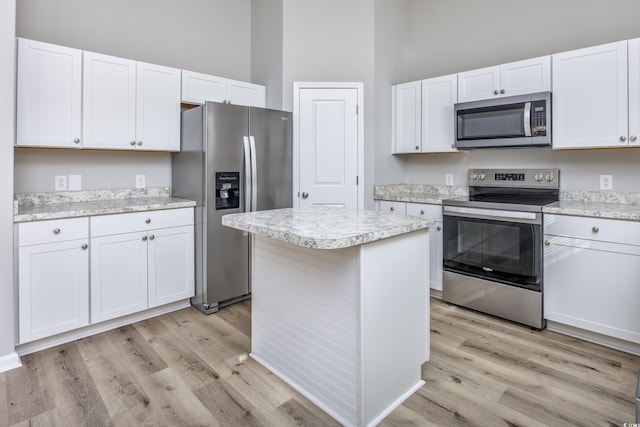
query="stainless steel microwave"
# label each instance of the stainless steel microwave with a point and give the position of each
(512, 121)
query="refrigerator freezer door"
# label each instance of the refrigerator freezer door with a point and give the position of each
(273, 136)
(227, 249)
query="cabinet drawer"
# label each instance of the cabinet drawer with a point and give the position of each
(51, 231)
(392, 207)
(606, 230)
(425, 210)
(140, 221)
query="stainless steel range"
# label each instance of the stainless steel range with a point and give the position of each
(493, 243)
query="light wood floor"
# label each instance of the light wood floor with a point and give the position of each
(188, 369)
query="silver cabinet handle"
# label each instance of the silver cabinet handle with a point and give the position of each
(633, 138)
(595, 229)
(502, 91)
(547, 243)
(623, 138)
(305, 195)
(438, 228)
(139, 143)
(495, 92)
(84, 246)
(76, 140)
(421, 211)
(392, 209)
(152, 237)
(56, 231)
(453, 146)
(417, 147)
(144, 238)
(132, 143)
(148, 220)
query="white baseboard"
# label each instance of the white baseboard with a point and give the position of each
(10, 361)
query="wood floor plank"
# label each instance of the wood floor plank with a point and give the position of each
(28, 393)
(294, 413)
(4, 415)
(239, 316)
(405, 417)
(227, 405)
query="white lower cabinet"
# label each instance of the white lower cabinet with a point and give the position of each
(53, 277)
(435, 233)
(591, 270)
(135, 266)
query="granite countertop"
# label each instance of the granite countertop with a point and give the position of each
(325, 227)
(627, 212)
(69, 204)
(416, 193)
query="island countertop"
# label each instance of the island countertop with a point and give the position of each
(325, 227)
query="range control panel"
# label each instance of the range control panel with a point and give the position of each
(534, 178)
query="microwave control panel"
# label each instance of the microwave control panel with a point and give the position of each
(538, 118)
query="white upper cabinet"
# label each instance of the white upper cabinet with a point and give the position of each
(439, 95)
(157, 107)
(515, 78)
(591, 98)
(109, 102)
(406, 120)
(49, 95)
(130, 105)
(198, 88)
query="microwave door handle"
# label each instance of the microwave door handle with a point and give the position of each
(527, 119)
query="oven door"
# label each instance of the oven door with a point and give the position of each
(501, 246)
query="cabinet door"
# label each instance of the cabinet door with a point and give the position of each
(157, 107)
(590, 97)
(198, 88)
(634, 92)
(49, 96)
(438, 98)
(109, 102)
(478, 84)
(406, 121)
(243, 93)
(53, 295)
(435, 240)
(523, 77)
(170, 265)
(593, 285)
(118, 275)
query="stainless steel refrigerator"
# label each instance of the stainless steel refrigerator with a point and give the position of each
(232, 159)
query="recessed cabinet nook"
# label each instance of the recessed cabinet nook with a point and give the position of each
(69, 98)
(595, 99)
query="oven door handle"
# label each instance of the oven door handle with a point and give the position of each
(480, 213)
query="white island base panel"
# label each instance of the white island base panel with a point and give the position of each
(347, 328)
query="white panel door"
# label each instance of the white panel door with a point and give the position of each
(479, 84)
(590, 97)
(406, 121)
(118, 275)
(634, 91)
(109, 102)
(170, 265)
(198, 88)
(243, 93)
(49, 95)
(53, 288)
(439, 96)
(328, 158)
(527, 76)
(157, 107)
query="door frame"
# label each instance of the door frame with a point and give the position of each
(297, 87)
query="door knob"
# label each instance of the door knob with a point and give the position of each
(305, 195)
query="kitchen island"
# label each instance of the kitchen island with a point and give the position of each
(340, 306)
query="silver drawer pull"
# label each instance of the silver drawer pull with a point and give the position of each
(148, 220)
(152, 237)
(421, 211)
(547, 243)
(392, 209)
(56, 231)
(84, 246)
(144, 238)
(595, 229)
(438, 228)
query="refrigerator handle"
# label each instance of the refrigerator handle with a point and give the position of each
(247, 176)
(254, 175)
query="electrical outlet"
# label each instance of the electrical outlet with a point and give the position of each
(140, 181)
(606, 182)
(448, 179)
(60, 183)
(75, 182)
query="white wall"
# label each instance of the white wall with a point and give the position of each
(448, 36)
(7, 111)
(266, 49)
(209, 36)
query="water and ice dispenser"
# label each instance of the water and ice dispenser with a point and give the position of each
(227, 190)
